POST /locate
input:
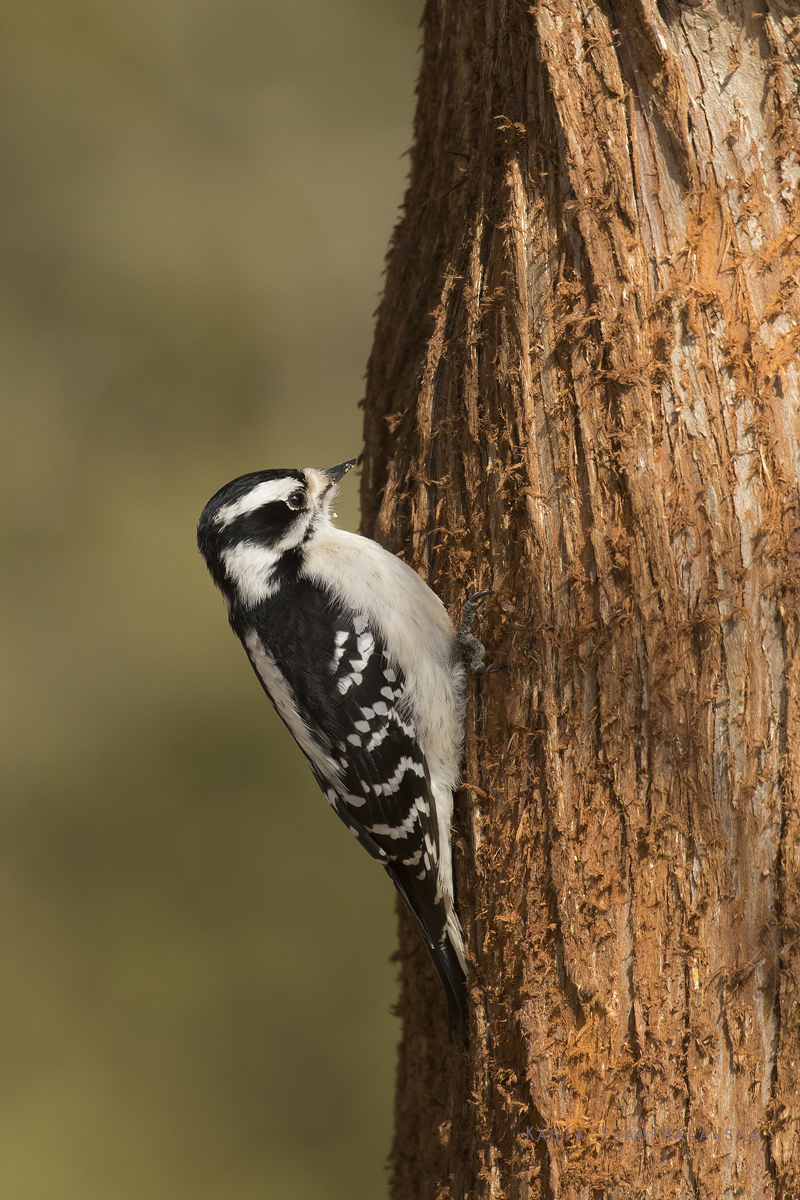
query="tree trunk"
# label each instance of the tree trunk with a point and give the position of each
(583, 394)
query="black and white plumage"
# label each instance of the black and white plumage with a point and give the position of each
(360, 659)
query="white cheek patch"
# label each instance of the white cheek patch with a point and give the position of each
(251, 567)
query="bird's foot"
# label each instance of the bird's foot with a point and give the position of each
(472, 648)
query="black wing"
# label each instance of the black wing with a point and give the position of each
(363, 746)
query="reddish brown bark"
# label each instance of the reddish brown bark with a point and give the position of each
(583, 393)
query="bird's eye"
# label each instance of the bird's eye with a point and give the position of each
(297, 500)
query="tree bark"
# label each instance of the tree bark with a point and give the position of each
(584, 394)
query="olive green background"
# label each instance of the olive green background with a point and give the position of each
(196, 197)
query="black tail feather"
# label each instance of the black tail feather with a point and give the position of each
(451, 976)
(446, 962)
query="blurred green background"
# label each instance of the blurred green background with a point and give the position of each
(196, 200)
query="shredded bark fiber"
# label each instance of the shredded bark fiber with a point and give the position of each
(584, 394)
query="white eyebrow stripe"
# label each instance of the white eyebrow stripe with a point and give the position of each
(266, 492)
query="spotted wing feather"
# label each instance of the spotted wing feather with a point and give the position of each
(368, 761)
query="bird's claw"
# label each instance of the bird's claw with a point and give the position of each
(472, 647)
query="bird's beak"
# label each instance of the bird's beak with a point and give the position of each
(334, 474)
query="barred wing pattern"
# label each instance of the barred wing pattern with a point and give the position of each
(367, 761)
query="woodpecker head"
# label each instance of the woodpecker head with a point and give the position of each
(254, 529)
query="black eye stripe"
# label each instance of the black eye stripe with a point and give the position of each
(264, 525)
